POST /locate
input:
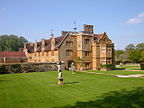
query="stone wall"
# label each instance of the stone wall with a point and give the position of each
(63, 48)
(50, 56)
(13, 59)
(28, 67)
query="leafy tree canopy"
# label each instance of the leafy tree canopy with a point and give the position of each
(130, 47)
(140, 46)
(119, 52)
(132, 53)
(11, 42)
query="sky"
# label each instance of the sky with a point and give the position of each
(122, 20)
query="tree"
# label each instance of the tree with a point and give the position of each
(79, 61)
(119, 52)
(119, 56)
(132, 53)
(140, 46)
(142, 56)
(135, 55)
(125, 57)
(11, 42)
(130, 47)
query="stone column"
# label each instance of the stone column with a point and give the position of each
(4, 59)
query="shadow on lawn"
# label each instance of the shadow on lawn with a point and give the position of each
(3, 79)
(116, 99)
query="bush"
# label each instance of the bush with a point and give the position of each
(111, 66)
(2, 69)
(16, 68)
(142, 66)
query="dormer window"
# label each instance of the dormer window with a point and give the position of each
(56, 42)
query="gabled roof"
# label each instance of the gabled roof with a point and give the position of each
(12, 54)
(30, 47)
(47, 45)
(59, 41)
(39, 49)
(97, 37)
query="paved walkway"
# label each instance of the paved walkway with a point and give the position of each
(137, 70)
(116, 75)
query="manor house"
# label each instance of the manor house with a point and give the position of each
(92, 49)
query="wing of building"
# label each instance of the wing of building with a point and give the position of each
(12, 57)
(92, 49)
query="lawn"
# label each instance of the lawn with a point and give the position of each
(81, 90)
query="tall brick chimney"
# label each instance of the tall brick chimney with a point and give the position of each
(35, 46)
(52, 43)
(42, 44)
(87, 28)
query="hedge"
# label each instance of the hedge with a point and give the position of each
(111, 66)
(28, 67)
(142, 66)
(2, 69)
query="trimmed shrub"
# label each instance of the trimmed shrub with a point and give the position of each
(16, 68)
(28, 67)
(110, 66)
(2, 69)
(142, 66)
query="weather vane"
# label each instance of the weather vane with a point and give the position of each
(52, 35)
(74, 26)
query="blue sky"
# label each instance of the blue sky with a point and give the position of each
(123, 20)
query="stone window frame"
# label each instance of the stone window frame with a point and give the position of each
(109, 60)
(103, 48)
(86, 41)
(52, 53)
(42, 53)
(69, 43)
(103, 61)
(87, 64)
(87, 53)
(68, 53)
(47, 53)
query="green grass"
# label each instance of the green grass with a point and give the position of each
(39, 89)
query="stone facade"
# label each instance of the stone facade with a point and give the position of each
(93, 49)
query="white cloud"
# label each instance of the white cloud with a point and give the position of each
(141, 15)
(138, 19)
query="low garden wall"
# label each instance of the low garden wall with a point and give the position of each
(28, 67)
